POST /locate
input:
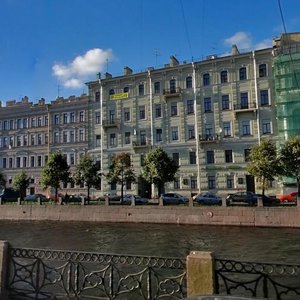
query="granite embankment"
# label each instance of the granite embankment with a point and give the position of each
(206, 215)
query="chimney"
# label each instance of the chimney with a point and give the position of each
(127, 71)
(173, 61)
(107, 75)
(234, 50)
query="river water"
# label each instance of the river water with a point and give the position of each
(244, 243)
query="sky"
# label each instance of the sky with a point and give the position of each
(51, 48)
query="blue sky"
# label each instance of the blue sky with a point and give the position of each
(50, 48)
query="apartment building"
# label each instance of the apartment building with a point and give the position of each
(205, 114)
(31, 131)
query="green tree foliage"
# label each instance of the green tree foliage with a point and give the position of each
(121, 171)
(159, 168)
(263, 163)
(289, 156)
(2, 180)
(55, 172)
(21, 183)
(87, 173)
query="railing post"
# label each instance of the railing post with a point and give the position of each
(4, 268)
(259, 202)
(200, 273)
(298, 201)
(106, 201)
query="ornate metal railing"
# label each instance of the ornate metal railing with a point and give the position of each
(50, 274)
(265, 280)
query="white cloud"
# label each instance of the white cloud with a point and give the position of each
(244, 41)
(73, 74)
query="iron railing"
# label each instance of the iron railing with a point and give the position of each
(264, 280)
(55, 274)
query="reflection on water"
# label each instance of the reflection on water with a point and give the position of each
(246, 243)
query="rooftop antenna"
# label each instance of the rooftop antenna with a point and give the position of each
(58, 90)
(156, 53)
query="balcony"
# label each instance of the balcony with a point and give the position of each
(244, 107)
(111, 123)
(140, 145)
(209, 138)
(170, 93)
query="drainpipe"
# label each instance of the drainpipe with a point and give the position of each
(256, 97)
(101, 127)
(196, 128)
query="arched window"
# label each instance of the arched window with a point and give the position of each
(189, 82)
(206, 79)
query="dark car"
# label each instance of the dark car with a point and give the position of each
(127, 199)
(36, 197)
(208, 198)
(269, 200)
(9, 195)
(173, 198)
(242, 198)
(72, 199)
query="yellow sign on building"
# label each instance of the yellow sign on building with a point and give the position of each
(119, 96)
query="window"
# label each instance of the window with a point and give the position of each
(111, 92)
(240, 180)
(208, 130)
(25, 140)
(72, 159)
(81, 135)
(5, 125)
(225, 102)
(33, 124)
(19, 123)
(39, 139)
(158, 134)
(39, 161)
(142, 159)
(176, 158)
(18, 141)
(126, 114)
(127, 138)
(97, 96)
(227, 129)
(72, 117)
(210, 157)
(56, 137)
(141, 89)
(65, 137)
(206, 79)
(247, 154)
(46, 120)
(246, 129)
(173, 86)
(156, 87)
(112, 116)
(46, 138)
(174, 111)
(126, 89)
(142, 112)
(5, 142)
(191, 132)
(72, 136)
(81, 116)
(11, 141)
(157, 110)
(189, 82)
(65, 118)
(112, 139)
(207, 104)
(10, 162)
(143, 137)
(32, 140)
(56, 119)
(39, 122)
(97, 117)
(228, 156)
(264, 97)
(193, 183)
(98, 140)
(230, 181)
(190, 106)
(244, 100)
(128, 185)
(174, 131)
(243, 73)
(31, 161)
(224, 76)
(176, 184)
(193, 159)
(4, 163)
(25, 123)
(18, 162)
(266, 126)
(262, 70)
(211, 182)
(24, 161)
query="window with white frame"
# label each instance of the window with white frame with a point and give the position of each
(156, 87)
(158, 134)
(81, 135)
(207, 104)
(224, 76)
(142, 112)
(173, 86)
(98, 140)
(65, 118)
(244, 100)
(206, 79)
(230, 181)
(246, 127)
(65, 137)
(158, 111)
(225, 102)
(72, 136)
(243, 73)
(210, 157)
(228, 156)
(189, 82)
(72, 117)
(174, 131)
(266, 126)
(174, 111)
(126, 114)
(56, 137)
(81, 116)
(112, 140)
(262, 70)
(211, 182)
(143, 137)
(97, 117)
(191, 132)
(176, 184)
(141, 89)
(264, 97)
(56, 119)
(208, 130)
(193, 182)
(190, 106)
(227, 129)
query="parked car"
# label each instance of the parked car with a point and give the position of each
(35, 197)
(127, 199)
(269, 200)
(208, 198)
(291, 197)
(72, 199)
(173, 198)
(9, 195)
(242, 197)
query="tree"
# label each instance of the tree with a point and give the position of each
(87, 173)
(121, 171)
(2, 180)
(55, 172)
(159, 168)
(289, 156)
(263, 163)
(21, 183)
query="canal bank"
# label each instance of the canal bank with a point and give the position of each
(208, 215)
